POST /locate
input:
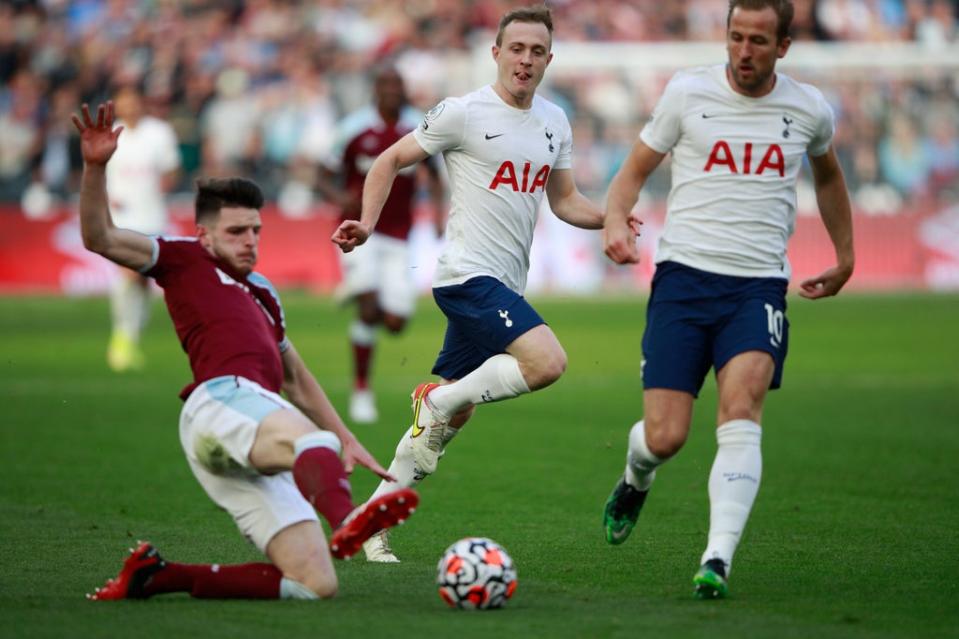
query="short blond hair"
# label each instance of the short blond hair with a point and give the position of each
(539, 13)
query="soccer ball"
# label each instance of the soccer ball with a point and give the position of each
(476, 574)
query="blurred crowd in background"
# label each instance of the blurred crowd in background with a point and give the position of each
(256, 87)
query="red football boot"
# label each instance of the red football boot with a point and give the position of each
(365, 521)
(138, 568)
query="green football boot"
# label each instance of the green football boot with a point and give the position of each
(710, 581)
(622, 511)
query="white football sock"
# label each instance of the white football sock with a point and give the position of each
(640, 462)
(401, 467)
(733, 484)
(129, 303)
(362, 334)
(496, 379)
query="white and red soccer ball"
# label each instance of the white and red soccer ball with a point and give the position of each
(476, 574)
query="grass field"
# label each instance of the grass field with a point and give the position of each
(854, 533)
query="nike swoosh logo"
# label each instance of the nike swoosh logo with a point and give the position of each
(490, 137)
(619, 535)
(417, 430)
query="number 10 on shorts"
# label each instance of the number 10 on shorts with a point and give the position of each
(775, 321)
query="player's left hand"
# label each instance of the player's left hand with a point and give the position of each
(826, 284)
(354, 453)
(350, 234)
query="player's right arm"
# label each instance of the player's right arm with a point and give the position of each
(98, 141)
(619, 231)
(376, 188)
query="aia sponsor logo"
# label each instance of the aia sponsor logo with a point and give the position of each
(722, 155)
(523, 180)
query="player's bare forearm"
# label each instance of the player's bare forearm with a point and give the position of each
(302, 389)
(379, 180)
(836, 213)
(125, 247)
(98, 141)
(569, 204)
(620, 226)
(578, 211)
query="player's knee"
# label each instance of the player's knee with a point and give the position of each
(546, 369)
(324, 585)
(664, 440)
(370, 315)
(743, 406)
(394, 323)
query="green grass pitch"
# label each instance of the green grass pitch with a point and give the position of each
(854, 533)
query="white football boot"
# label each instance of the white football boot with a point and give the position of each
(426, 433)
(363, 407)
(377, 549)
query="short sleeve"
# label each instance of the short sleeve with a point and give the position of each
(565, 158)
(168, 254)
(168, 151)
(825, 129)
(662, 131)
(443, 126)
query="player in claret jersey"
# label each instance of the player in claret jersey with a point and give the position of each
(265, 460)
(378, 278)
(505, 148)
(738, 134)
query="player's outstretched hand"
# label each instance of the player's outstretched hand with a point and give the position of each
(354, 453)
(826, 284)
(98, 140)
(619, 240)
(350, 234)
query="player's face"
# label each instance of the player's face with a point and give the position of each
(521, 61)
(234, 237)
(390, 92)
(753, 50)
(128, 106)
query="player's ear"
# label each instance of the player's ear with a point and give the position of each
(203, 235)
(783, 46)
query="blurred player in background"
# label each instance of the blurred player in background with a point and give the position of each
(270, 462)
(738, 134)
(378, 278)
(505, 148)
(142, 171)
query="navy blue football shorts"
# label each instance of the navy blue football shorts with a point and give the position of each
(696, 320)
(484, 316)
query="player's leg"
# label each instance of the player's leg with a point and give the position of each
(129, 306)
(404, 468)
(652, 441)
(363, 337)
(286, 440)
(360, 284)
(301, 553)
(750, 352)
(676, 358)
(510, 349)
(737, 468)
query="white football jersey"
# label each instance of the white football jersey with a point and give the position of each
(732, 205)
(499, 159)
(134, 175)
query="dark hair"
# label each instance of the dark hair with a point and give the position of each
(783, 9)
(539, 13)
(213, 194)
